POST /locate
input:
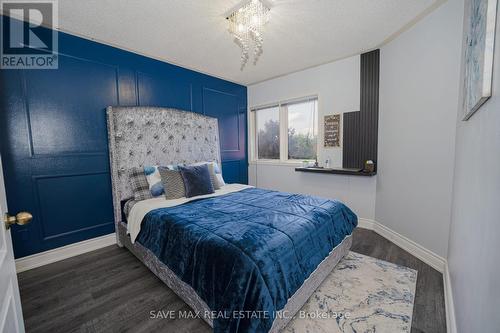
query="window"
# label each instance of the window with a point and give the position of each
(302, 129)
(286, 130)
(268, 133)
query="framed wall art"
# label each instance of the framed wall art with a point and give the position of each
(479, 44)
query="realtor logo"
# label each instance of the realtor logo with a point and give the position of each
(29, 35)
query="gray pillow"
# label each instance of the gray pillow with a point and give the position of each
(139, 184)
(172, 183)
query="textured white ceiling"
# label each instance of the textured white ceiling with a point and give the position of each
(193, 34)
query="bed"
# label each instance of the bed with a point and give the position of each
(244, 259)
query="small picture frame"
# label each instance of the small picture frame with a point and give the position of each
(332, 131)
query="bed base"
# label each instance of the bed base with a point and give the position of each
(189, 295)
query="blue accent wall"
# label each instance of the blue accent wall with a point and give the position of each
(53, 135)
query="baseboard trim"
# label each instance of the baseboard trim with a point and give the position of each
(451, 323)
(64, 252)
(366, 224)
(430, 258)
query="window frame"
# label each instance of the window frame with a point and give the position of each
(283, 131)
(256, 136)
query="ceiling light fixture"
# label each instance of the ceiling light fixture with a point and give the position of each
(246, 25)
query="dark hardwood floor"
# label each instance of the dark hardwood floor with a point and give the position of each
(109, 290)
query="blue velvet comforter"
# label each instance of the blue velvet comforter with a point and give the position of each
(246, 251)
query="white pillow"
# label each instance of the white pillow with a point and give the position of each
(154, 180)
(218, 174)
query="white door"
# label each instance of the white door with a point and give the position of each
(11, 316)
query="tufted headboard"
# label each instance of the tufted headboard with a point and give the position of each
(141, 136)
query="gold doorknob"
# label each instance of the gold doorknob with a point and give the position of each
(21, 218)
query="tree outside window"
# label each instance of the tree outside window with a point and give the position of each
(268, 133)
(299, 123)
(302, 130)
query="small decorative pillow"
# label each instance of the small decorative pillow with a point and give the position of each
(174, 166)
(196, 180)
(211, 170)
(154, 180)
(218, 175)
(156, 186)
(213, 176)
(139, 184)
(128, 206)
(172, 183)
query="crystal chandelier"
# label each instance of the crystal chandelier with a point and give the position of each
(246, 25)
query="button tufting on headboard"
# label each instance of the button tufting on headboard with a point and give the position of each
(141, 136)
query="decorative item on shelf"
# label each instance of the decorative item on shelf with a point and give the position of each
(332, 130)
(246, 25)
(305, 163)
(327, 164)
(369, 166)
(480, 20)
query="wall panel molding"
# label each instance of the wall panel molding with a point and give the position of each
(53, 113)
(163, 91)
(54, 202)
(54, 136)
(228, 120)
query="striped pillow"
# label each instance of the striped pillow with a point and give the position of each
(139, 184)
(172, 183)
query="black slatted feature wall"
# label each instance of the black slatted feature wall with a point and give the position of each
(350, 133)
(360, 129)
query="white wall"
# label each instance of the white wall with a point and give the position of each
(438, 179)
(474, 247)
(419, 84)
(357, 192)
(337, 85)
